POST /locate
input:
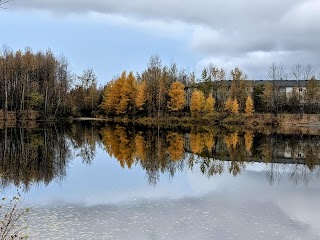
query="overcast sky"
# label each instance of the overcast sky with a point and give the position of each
(110, 36)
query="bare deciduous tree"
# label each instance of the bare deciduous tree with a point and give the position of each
(276, 72)
(296, 71)
(308, 72)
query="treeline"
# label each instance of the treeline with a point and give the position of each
(38, 81)
(43, 83)
(161, 91)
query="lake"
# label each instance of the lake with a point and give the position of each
(85, 181)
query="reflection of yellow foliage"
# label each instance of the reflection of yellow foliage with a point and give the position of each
(197, 103)
(196, 143)
(176, 146)
(141, 95)
(248, 140)
(249, 110)
(140, 144)
(177, 98)
(119, 145)
(200, 141)
(231, 140)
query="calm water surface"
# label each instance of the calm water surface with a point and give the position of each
(116, 182)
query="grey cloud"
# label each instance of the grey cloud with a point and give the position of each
(221, 28)
(253, 25)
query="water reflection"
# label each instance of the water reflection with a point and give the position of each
(42, 154)
(160, 151)
(32, 155)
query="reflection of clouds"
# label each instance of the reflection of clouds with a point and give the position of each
(115, 196)
(186, 218)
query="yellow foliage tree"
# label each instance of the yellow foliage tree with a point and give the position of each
(249, 110)
(197, 103)
(235, 107)
(177, 97)
(141, 97)
(127, 94)
(210, 102)
(107, 100)
(118, 94)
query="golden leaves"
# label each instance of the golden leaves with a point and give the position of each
(249, 110)
(177, 96)
(197, 103)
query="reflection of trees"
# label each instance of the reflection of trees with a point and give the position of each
(41, 155)
(30, 156)
(295, 173)
(84, 139)
(161, 151)
(176, 145)
(119, 143)
(156, 151)
(248, 140)
(274, 173)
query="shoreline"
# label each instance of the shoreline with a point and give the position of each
(256, 120)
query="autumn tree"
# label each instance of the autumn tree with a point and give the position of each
(108, 102)
(238, 86)
(140, 99)
(127, 95)
(249, 110)
(232, 106)
(235, 107)
(197, 103)
(177, 97)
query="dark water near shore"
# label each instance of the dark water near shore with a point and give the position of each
(117, 182)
